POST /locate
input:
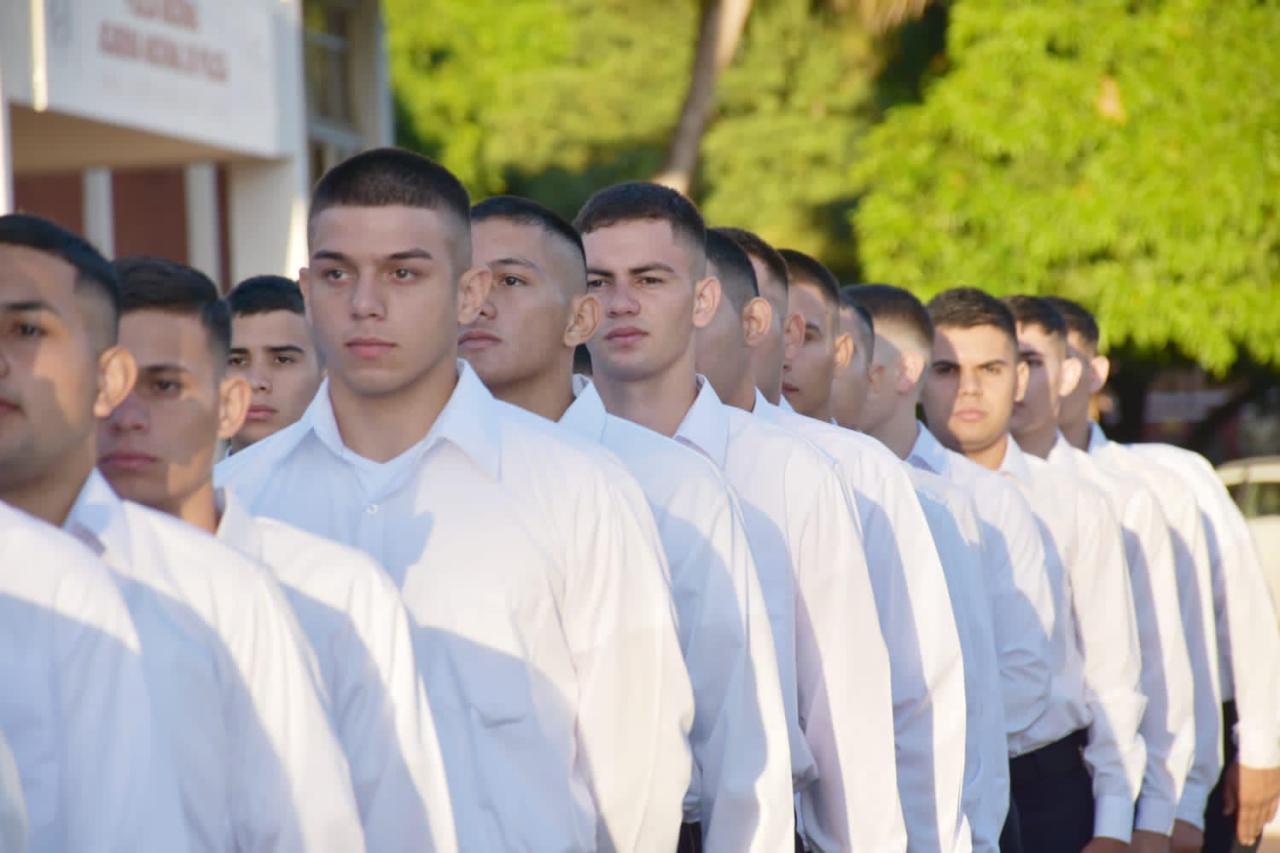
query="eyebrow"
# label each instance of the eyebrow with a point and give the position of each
(516, 262)
(643, 268)
(1002, 362)
(406, 255)
(282, 348)
(163, 368)
(28, 305)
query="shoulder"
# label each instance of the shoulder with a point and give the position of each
(260, 456)
(298, 554)
(192, 552)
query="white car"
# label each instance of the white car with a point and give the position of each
(1254, 483)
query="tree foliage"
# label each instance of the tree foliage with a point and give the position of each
(1126, 154)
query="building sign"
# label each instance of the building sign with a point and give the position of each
(203, 70)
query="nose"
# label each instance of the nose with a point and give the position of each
(129, 416)
(259, 380)
(367, 300)
(619, 300)
(489, 309)
(969, 383)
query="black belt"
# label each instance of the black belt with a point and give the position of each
(1057, 759)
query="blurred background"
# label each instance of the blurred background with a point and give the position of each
(1124, 153)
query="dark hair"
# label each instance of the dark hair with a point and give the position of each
(157, 284)
(636, 200)
(969, 307)
(263, 293)
(866, 324)
(523, 211)
(806, 268)
(582, 360)
(1077, 318)
(888, 304)
(757, 248)
(92, 269)
(1035, 311)
(737, 276)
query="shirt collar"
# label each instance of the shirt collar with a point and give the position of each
(97, 519)
(236, 528)
(706, 424)
(469, 421)
(928, 452)
(784, 404)
(586, 415)
(1060, 454)
(1097, 438)
(1014, 463)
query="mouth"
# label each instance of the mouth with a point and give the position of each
(126, 460)
(8, 408)
(969, 416)
(369, 348)
(788, 388)
(477, 339)
(626, 335)
(260, 413)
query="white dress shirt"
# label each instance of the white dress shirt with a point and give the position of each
(832, 657)
(13, 809)
(1168, 723)
(1096, 651)
(74, 706)
(919, 628)
(741, 790)
(351, 613)
(542, 618)
(1248, 638)
(232, 682)
(1017, 584)
(1195, 587)
(958, 538)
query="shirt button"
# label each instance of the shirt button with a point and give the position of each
(371, 509)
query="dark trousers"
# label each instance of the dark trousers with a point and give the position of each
(1053, 794)
(691, 839)
(1011, 834)
(1220, 829)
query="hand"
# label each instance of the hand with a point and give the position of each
(1251, 794)
(1102, 844)
(1187, 838)
(1150, 842)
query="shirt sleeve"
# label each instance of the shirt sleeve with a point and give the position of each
(1102, 604)
(634, 703)
(294, 788)
(13, 812)
(387, 730)
(927, 669)
(117, 779)
(1168, 724)
(842, 673)
(742, 772)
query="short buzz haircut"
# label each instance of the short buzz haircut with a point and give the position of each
(808, 269)
(733, 267)
(393, 177)
(638, 200)
(1035, 311)
(866, 323)
(889, 305)
(1078, 319)
(523, 211)
(757, 248)
(92, 269)
(968, 308)
(157, 284)
(263, 294)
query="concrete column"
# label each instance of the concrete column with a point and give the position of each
(99, 218)
(268, 217)
(200, 181)
(6, 155)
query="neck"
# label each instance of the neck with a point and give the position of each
(51, 496)
(991, 456)
(899, 431)
(821, 412)
(380, 428)
(658, 402)
(1038, 441)
(1077, 434)
(766, 374)
(741, 394)
(548, 394)
(199, 509)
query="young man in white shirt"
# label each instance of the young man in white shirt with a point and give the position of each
(1196, 581)
(233, 697)
(541, 616)
(85, 764)
(179, 332)
(879, 394)
(522, 347)
(272, 348)
(1075, 776)
(1168, 724)
(915, 609)
(646, 263)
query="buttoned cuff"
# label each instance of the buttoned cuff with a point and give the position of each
(1259, 746)
(1113, 818)
(1155, 814)
(1195, 797)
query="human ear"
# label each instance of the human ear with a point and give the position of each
(584, 319)
(473, 290)
(1099, 372)
(706, 299)
(1022, 373)
(844, 350)
(1069, 377)
(234, 395)
(757, 317)
(117, 372)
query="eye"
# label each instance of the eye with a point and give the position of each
(649, 280)
(943, 369)
(285, 359)
(334, 274)
(28, 330)
(403, 274)
(594, 283)
(515, 281)
(237, 361)
(166, 387)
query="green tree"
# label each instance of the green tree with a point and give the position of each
(1126, 154)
